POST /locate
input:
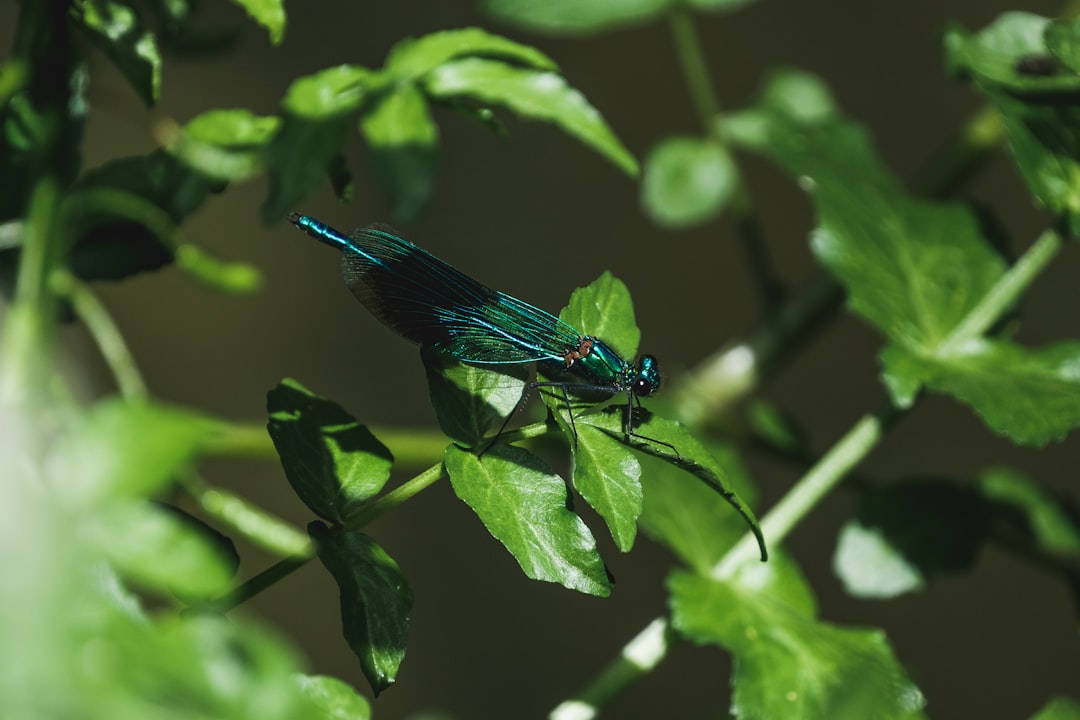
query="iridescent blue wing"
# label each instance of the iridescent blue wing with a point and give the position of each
(435, 305)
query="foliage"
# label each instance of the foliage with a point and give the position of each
(116, 593)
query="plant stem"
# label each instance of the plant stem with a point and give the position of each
(395, 497)
(255, 524)
(255, 585)
(695, 69)
(106, 334)
(1005, 292)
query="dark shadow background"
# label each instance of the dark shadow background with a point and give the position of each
(537, 215)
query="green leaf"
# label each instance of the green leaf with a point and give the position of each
(332, 461)
(609, 479)
(404, 149)
(309, 142)
(126, 214)
(268, 13)
(375, 600)
(1059, 708)
(995, 56)
(1053, 525)
(225, 145)
(162, 550)
(604, 309)
(911, 267)
(469, 400)
(116, 30)
(787, 663)
(413, 57)
(1031, 396)
(719, 5)
(1062, 39)
(576, 17)
(906, 534)
(536, 95)
(687, 181)
(1012, 65)
(653, 434)
(523, 504)
(123, 450)
(689, 517)
(333, 699)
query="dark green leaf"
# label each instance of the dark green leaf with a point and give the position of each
(1052, 525)
(523, 504)
(160, 550)
(413, 57)
(604, 309)
(126, 214)
(906, 534)
(333, 699)
(1059, 708)
(609, 479)
(687, 181)
(719, 5)
(470, 400)
(404, 144)
(123, 450)
(117, 31)
(268, 13)
(787, 663)
(536, 95)
(1032, 396)
(225, 145)
(333, 463)
(306, 148)
(688, 516)
(576, 17)
(375, 600)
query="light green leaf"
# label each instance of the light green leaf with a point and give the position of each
(333, 699)
(123, 450)
(1062, 39)
(609, 479)
(522, 503)
(403, 140)
(576, 17)
(1031, 396)
(469, 400)
(268, 13)
(689, 517)
(653, 435)
(375, 600)
(1059, 708)
(687, 181)
(1011, 63)
(333, 463)
(912, 267)
(116, 29)
(413, 57)
(787, 663)
(604, 309)
(157, 549)
(536, 95)
(225, 145)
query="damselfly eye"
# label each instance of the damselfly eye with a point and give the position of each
(648, 379)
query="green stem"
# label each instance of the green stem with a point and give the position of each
(267, 578)
(395, 497)
(1005, 292)
(249, 521)
(695, 69)
(106, 334)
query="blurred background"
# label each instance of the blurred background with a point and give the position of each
(537, 214)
